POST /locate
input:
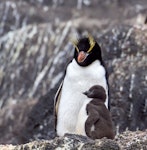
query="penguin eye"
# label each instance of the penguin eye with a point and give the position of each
(91, 42)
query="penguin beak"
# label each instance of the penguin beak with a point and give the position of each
(85, 93)
(82, 56)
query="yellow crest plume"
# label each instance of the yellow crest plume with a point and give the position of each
(91, 42)
(75, 42)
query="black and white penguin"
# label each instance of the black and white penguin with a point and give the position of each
(94, 119)
(85, 70)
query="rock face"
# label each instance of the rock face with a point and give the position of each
(22, 49)
(46, 75)
(127, 140)
(127, 75)
(34, 52)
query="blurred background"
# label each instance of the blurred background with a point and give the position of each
(35, 49)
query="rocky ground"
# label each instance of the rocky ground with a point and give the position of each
(126, 141)
(35, 49)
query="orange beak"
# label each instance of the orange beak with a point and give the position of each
(81, 56)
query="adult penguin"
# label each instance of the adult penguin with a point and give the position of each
(85, 70)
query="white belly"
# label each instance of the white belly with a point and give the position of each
(77, 80)
(82, 117)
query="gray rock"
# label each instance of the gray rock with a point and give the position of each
(128, 141)
(13, 119)
(34, 52)
(126, 67)
(16, 14)
(132, 140)
(125, 53)
(68, 142)
(29, 59)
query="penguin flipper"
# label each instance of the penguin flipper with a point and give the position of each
(57, 101)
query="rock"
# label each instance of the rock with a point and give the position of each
(132, 140)
(34, 52)
(18, 14)
(13, 119)
(128, 140)
(28, 78)
(126, 67)
(39, 42)
(37, 45)
(67, 142)
(127, 75)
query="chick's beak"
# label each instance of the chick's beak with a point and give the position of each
(81, 56)
(85, 93)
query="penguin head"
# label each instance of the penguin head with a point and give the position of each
(96, 91)
(87, 51)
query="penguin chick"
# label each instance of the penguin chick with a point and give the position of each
(96, 121)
